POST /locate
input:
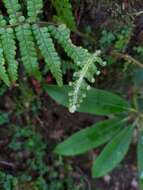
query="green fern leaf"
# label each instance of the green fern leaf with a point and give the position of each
(43, 36)
(48, 51)
(2, 21)
(3, 74)
(9, 48)
(34, 8)
(85, 62)
(80, 85)
(64, 13)
(62, 35)
(27, 49)
(13, 8)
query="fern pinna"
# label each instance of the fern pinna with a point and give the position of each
(64, 13)
(30, 36)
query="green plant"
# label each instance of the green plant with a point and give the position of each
(7, 181)
(116, 131)
(3, 118)
(35, 173)
(64, 13)
(22, 29)
(25, 30)
(33, 143)
(3, 88)
(114, 41)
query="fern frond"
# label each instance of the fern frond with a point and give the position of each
(48, 51)
(27, 32)
(64, 13)
(2, 21)
(85, 62)
(34, 8)
(9, 48)
(27, 49)
(62, 35)
(86, 74)
(13, 8)
(7, 38)
(3, 73)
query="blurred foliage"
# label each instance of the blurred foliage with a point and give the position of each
(26, 142)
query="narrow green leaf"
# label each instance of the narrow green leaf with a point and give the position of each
(99, 102)
(90, 137)
(140, 159)
(113, 153)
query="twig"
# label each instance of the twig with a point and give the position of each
(128, 58)
(9, 164)
(138, 13)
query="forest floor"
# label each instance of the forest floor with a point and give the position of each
(55, 123)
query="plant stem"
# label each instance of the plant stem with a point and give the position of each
(128, 58)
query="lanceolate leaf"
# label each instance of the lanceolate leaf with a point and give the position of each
(140, 160)
(90, 137)
(97, 102)
(113, 153)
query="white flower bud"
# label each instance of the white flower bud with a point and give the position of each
(98, 52)
(92, 80)
(98, 72)
(104, 63)
(72, 109)
(88, 87)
